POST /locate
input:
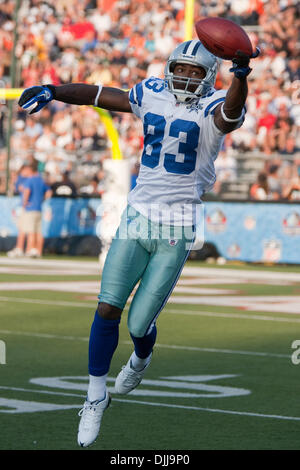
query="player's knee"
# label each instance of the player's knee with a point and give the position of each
(138, 331)
(108, 312)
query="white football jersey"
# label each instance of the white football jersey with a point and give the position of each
(181, 143)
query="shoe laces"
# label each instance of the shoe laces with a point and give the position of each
(90, 413)
(131, 374)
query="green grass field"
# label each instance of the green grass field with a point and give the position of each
(222, 375)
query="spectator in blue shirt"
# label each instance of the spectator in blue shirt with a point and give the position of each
(35, 191)
(18, 213)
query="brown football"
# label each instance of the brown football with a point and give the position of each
(223, 38)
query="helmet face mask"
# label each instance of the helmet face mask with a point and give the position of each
(193, 53)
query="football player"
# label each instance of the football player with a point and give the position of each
(185, 122)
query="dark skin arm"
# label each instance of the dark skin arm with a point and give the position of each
(112, 99)
(233, 106)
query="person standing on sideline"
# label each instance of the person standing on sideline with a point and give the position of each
(34, 192)
(21, 238)
(185, 120)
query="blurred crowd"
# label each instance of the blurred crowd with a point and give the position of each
(120, 42)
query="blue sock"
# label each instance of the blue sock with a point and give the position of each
(104, 339)
(143, 346)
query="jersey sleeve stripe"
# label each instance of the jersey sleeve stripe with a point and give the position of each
(139, 93)
(212, 104)
(131, 97)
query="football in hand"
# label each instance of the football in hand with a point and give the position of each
(223, 38)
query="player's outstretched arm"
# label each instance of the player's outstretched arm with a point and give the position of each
(33, 99)
(228, 114)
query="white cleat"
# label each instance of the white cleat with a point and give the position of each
(91, 416)
(33, 253)
(129, 378)
(15, 253)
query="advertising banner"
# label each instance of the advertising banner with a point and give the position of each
(246, 231)
(257, 232)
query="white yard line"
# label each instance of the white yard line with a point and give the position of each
(94, 265)
(206, 281)
(92, 304)
(257, 275)
(163, 405)
(211, 410)
(43, 335)
(157, 345)
(242, 316)
(72, 271)
(222, 297)
(46, 271)
(91, 287)
(78, 266)
(88, 287)
(179, 289)
(255, 303)
(59, 303)
(215, 350)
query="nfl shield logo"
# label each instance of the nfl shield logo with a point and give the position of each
(173, 242)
